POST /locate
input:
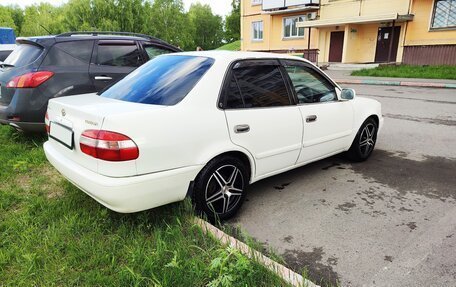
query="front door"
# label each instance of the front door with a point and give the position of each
(384, 38)
(328, 122)
(261, 116)
(336, 46)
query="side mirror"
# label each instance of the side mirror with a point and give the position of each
(348, 94)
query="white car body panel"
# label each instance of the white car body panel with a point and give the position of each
(274, 138)
(176, 142)
(328, 133)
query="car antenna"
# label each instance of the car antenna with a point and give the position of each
(45, 29)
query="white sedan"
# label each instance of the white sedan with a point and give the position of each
(205, 125)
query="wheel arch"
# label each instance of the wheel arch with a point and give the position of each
(237, 152)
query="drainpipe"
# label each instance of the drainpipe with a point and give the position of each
(390, 52)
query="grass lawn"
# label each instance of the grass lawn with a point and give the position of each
(406, 71)
(52, 234)
(235, 46)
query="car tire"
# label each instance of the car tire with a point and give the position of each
(364, 142)
(219, 188)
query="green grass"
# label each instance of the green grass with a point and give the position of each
(407, 71)
(235, 46)
(52, 234)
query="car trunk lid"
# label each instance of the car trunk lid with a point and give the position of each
(69, 117)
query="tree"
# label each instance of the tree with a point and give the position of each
(208, 28)
(43, 19)
(5, 18)
(166, 19)
(233, 22)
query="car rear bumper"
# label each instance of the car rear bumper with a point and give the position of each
(126, 194)
(25, 126)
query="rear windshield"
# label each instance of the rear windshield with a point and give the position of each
(23, 55)
(165, 80)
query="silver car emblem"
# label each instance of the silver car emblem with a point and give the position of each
(63, 112)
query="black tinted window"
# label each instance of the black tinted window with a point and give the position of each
(23, 55)
(4, 55)
(153, 51)
(233, 95)
(118, 55)
(165, 80)
(261, 86)
(76, 53)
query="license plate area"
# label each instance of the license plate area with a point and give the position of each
(62, 134)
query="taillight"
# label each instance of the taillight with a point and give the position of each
(30, 80)
(109, 146)
(46, 123)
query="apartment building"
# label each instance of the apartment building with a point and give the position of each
(353, 31)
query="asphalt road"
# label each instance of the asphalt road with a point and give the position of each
(390, 221)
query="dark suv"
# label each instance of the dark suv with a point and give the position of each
(41, 68)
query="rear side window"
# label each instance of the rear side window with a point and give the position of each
(121, 55)
(76, 53)
(257, 87)
(153, 51)
(165, 80)
(23, 55)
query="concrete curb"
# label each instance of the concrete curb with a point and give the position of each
(286, 274)
(398, 83)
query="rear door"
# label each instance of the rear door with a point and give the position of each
(262, 116)
(328, 122)
(112, 60)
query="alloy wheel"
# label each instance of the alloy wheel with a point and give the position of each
(224, 189)
(367, 139)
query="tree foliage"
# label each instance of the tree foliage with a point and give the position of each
(233, 22)
(164, 19)
(208, 28)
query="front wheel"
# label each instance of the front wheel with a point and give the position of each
(219, 189)
(364, 142)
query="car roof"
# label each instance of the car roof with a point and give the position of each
(45, 40)
(231, 56)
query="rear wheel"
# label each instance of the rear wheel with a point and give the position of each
(364, 142)
(219, 189)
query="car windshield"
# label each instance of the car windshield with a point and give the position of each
(23, 55)
(165, 80)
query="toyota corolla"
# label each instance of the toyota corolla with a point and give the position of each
(205, 125)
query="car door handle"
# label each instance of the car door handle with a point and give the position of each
(241, 129)
(311, 118)
(103, 78)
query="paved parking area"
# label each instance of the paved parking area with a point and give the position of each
(390, 221)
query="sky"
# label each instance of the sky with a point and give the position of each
(220, 7)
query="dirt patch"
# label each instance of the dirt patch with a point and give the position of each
(388, 258)
(433, 177)
(288, 239)
(321, 274)
(346, 206)
(282, 186)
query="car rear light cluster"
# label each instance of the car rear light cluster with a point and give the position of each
(109, 146)
(30, 80)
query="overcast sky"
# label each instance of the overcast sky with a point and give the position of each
(220, 7)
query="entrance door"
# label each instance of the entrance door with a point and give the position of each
(384, 38)
(336, 46)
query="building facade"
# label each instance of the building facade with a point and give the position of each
(353, 31)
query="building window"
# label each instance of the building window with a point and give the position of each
(257, 2)
(289, 27)
(444, 14)
(257, 30)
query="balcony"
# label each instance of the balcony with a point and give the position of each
(280, 6)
